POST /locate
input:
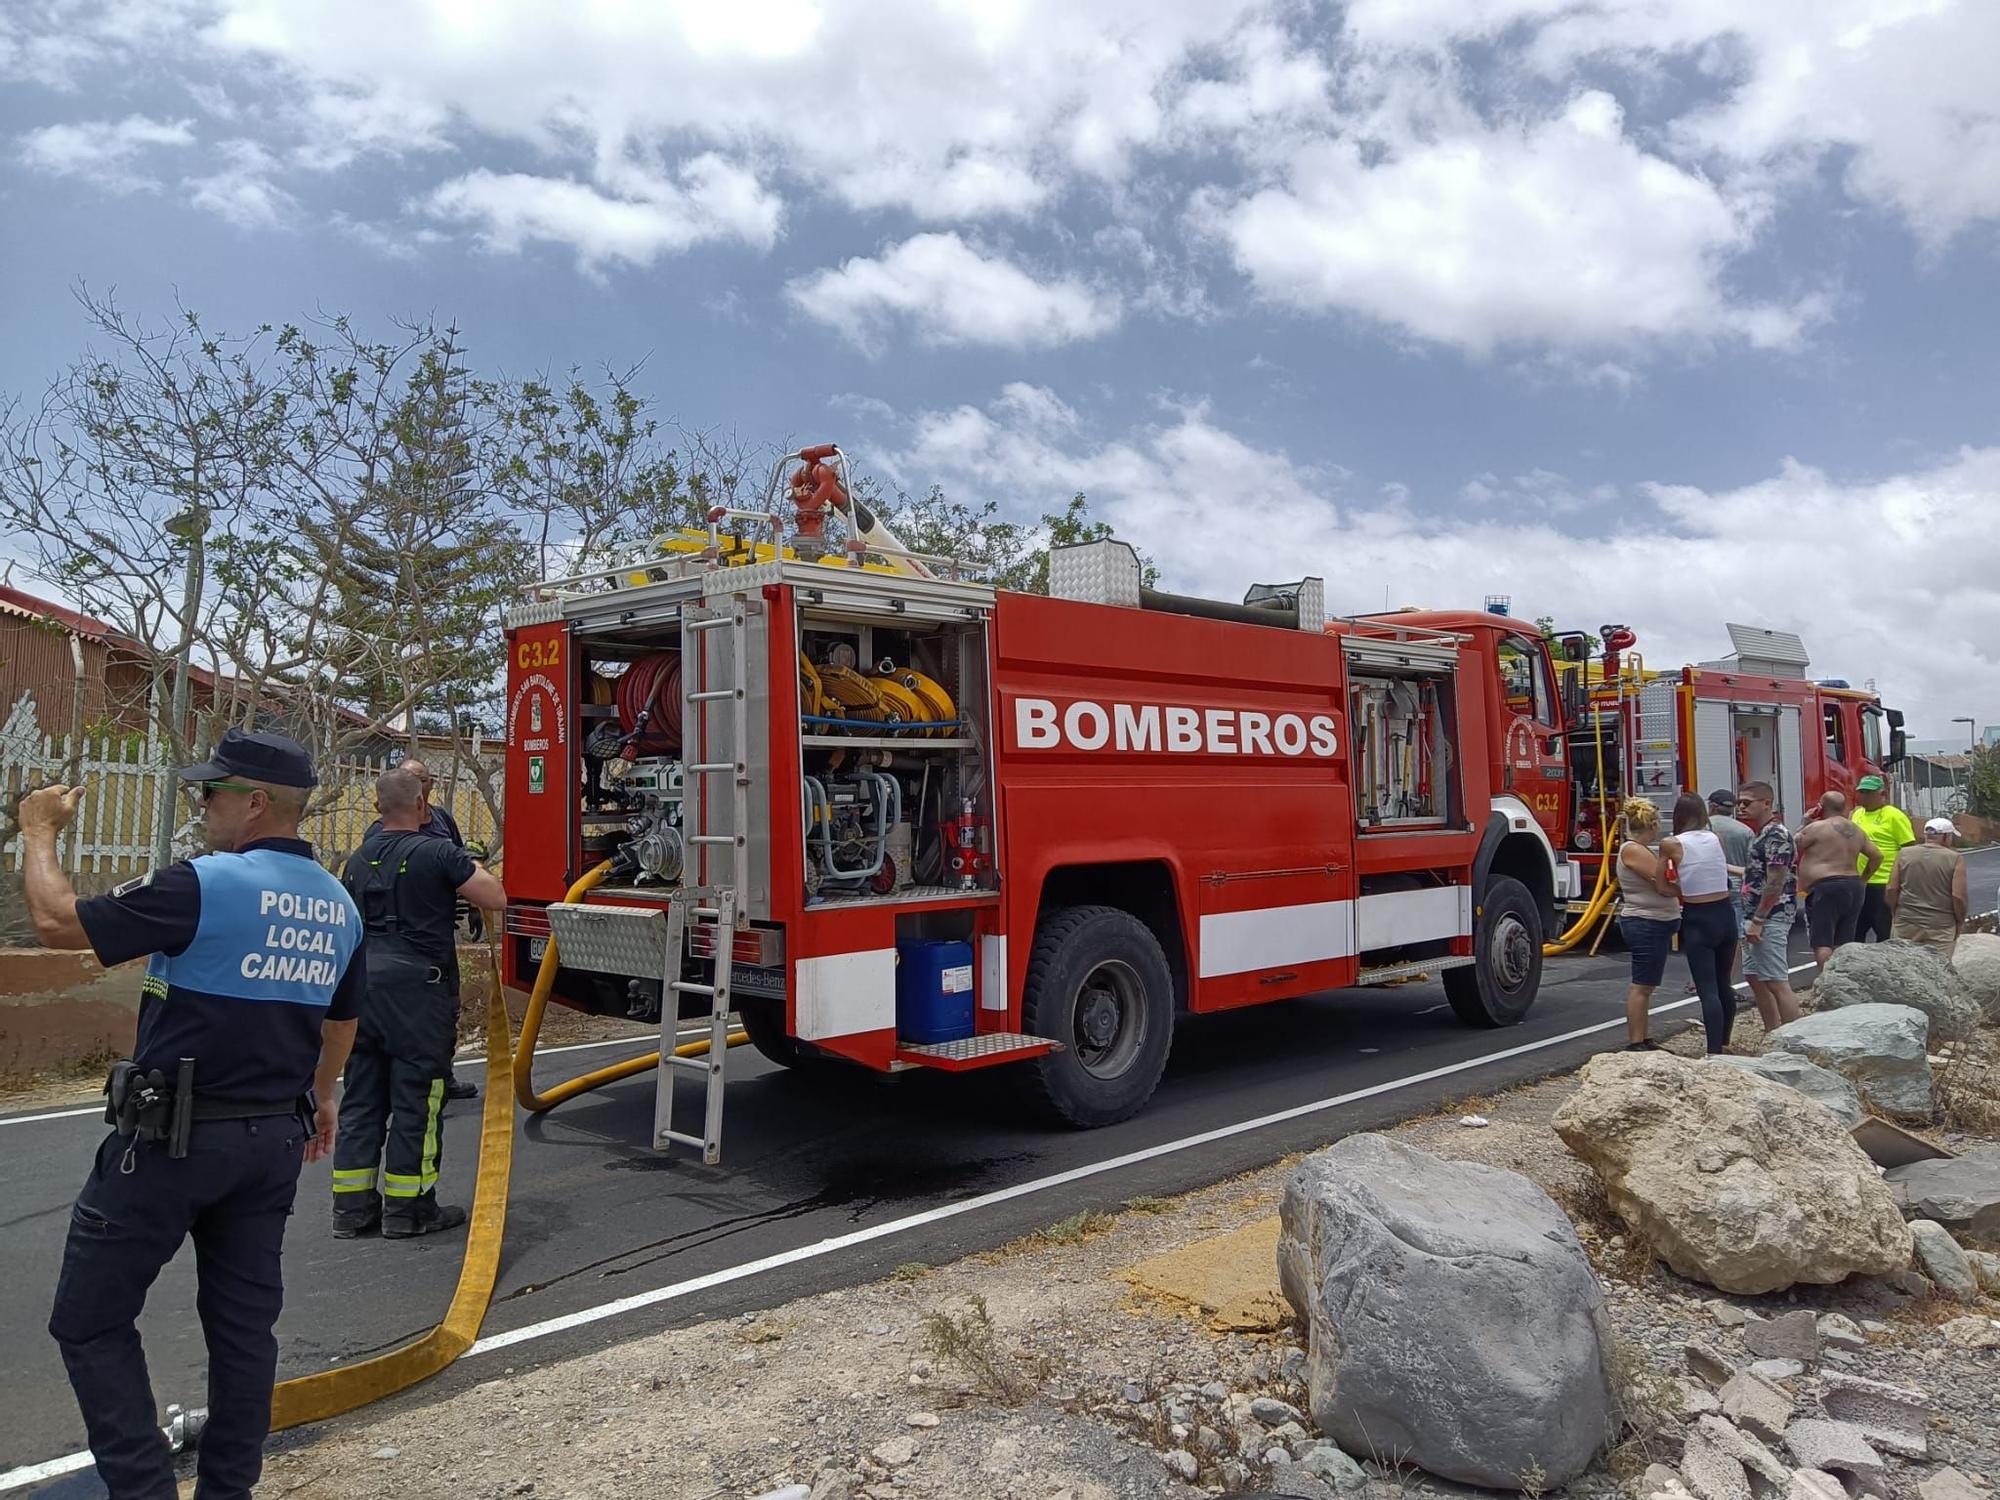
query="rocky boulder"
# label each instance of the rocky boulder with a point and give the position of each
(1960, 1192)
(1881, 1049)
(1823, 1086)
(1453, 1321)
(1897, 974)
(1744, 1184)
(1943, 1260)
(1977, 962)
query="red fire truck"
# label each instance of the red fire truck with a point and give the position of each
(1751, 717)
(935, 825)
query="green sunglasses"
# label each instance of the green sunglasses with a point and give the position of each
(204, 790)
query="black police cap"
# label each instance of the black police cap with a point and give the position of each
(255, 755)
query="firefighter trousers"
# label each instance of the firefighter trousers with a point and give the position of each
(391, 1136)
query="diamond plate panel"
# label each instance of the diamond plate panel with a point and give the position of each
(611, 939)
(535, 612)
(1095, 573)
(966, 1049)
(1312, 604)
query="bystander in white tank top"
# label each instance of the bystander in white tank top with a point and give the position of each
(1702, 869)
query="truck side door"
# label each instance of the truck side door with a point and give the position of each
(1533, 757)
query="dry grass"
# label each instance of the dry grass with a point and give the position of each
(1648, 1410)
(1148, 1205)
(969, 1343)
(1930, 1311)
(1077, 1228)
(1631, 1259)
(1967, 1087)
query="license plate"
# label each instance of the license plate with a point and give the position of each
(537, 949)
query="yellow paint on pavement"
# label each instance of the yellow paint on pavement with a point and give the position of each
(1231, 1279)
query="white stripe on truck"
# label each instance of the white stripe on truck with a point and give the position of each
(1271, 937)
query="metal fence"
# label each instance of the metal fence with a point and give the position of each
(1924, 790)
(113, 836)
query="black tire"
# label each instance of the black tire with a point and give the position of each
(764, 1019)
(1099, 984)
(1500, 987)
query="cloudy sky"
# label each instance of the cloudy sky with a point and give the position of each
(1659, 311)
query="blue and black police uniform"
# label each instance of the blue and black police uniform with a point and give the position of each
(391, 1136)
(251, 951)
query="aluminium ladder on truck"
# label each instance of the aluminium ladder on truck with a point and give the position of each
(651, 942)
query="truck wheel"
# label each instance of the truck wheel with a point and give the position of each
(1098, 983)
(1501, 984)
(764, 1019)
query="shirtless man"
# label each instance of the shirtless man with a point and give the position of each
(1832, 849)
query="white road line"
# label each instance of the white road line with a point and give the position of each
(616, 1041)
(34, 1473)
(15, 1479)
(61, 1114)
(1023, 1191)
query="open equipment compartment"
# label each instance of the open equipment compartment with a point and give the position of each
(894, 744)
(1402, 707)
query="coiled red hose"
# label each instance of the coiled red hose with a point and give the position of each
(652, 682)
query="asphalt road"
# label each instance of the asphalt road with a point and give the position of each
(915, 1167)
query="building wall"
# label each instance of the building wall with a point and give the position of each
(35, 658)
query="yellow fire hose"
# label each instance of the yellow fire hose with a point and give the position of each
(1600, 902)
(314, 1398)
(531, 1030)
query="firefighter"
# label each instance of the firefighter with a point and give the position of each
(391, 1108)
(436, 820)
(246, 1014)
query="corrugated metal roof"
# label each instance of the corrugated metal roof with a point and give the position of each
(26, 606)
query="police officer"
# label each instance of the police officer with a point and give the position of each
(436, 820)
(255, 975)
(391, 1111)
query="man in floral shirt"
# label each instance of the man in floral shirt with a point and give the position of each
(1770, 903)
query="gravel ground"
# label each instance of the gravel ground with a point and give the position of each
(1037, 1373)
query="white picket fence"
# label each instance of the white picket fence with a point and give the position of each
(128, 775)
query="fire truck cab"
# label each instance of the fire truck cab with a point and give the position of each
(928, 824)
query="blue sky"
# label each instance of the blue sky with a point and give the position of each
(1647, 310)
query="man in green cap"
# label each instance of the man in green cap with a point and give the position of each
(1890, 831)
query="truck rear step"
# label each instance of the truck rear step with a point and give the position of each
(985, 1051)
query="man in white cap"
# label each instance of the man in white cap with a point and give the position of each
(1927, 890)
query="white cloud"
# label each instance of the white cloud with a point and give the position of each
(1269, 82)
(948, 110)
(950, 293)
(1564, 233)
(341, 125)
(1455, 170)
(650, 217)
(103, 152)
(1905, 87)
(242, 189)
(54, 43)
(1864, 569)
